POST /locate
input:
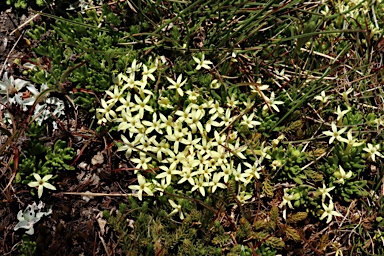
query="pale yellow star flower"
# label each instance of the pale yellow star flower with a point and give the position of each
(200, 184)
(340, 114)
(178, 84)
(324, 192)
(148, 74)
(345, 94)
(329, 212)
(194, 121)
(202, 63)
(272, 103)
(249, 122)
(134, 67)
(142, 162)
(335, 134)
(128, 147)
(351, 140)
(142, 105)
(373, 150)
(126, 102)
(287, 198)
(41, 183)
(168, 173)
(187, 175)
(322, 98)
(251, 172)
(215, 183)
(160, 186)
(243, 197)
(342, 176)
(155, 125)
(116, 95)
(106, 113)
(177, 209)
(142, 187)
(215, 84)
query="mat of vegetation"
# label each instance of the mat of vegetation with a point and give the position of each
(143, 127)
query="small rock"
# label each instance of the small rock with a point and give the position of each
(98, 159)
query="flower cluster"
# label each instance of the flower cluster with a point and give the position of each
(186, 144)
(349, 148)
(350, 141)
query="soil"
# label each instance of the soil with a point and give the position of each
(9, 21)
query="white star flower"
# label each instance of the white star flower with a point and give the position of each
(342, 176)
(322, 98)
(202, 63)
(200, 184)
(287, 198)
(41, 183)
(335, 134)
(134, 67)
(148, 74)
(272, 103)
(168, 173)
(215, 183)
(177, 209)
(242, 197)
(373, 150)
(143, 186)
(142, 105)
(340, 114)
(329, 212)
(249, 122)
(324, 192)
(178, 84)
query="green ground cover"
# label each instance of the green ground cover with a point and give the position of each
(241, 127)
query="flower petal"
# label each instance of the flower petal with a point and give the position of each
(40, 191)
(37, 176)
(33, 184)
(49, 186)
(47, 177)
